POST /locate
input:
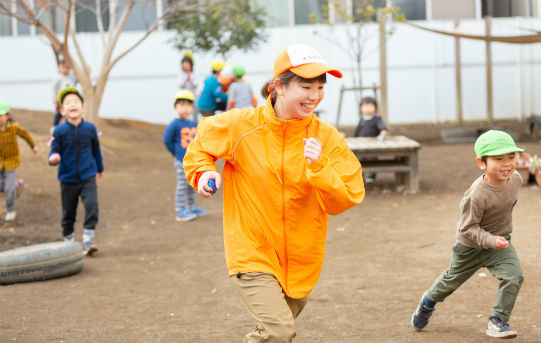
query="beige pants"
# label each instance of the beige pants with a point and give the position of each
(274, 311)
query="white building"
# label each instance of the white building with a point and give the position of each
(420, 64)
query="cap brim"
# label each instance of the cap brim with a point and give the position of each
(311, 70)
(502, 151)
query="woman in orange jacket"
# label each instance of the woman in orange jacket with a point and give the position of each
(285, 171)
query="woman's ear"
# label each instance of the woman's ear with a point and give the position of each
(480, 163)
(278, 86)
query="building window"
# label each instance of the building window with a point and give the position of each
(142, 15)
(507, 8)
(305, 8)
(412, 9)
(278, 13)
(5, 25)
(85, 15)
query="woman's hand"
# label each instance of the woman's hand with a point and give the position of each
(312, 149)
(202, 185)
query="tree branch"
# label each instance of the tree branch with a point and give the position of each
(99, 22)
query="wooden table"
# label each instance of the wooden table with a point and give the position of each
(396, 154)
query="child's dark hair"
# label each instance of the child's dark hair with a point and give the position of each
(286, 78)
(68, 93)
(181, 101)
(484, 159)
(369, 100)
(187, 59)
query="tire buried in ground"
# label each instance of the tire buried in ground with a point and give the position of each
(40, 262)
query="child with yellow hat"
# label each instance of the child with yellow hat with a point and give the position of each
(212, 97)
(177, 136)
(483, 237)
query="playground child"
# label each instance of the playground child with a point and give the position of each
(187, 78)
(370, 125)
(483, 236)
(64, 79)
(240, 94)
(177, 136)
(212, 97)
(76, 149)
(10, 159)
(285, 171)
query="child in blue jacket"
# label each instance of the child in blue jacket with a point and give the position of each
(177, 136)
(76, 149)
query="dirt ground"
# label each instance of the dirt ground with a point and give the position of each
(156, 280)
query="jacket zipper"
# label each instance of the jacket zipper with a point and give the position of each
(77, 153)
(286, 260)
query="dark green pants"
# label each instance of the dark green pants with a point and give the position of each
(504, 265)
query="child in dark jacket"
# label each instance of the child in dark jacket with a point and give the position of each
(76, 149)
(177, 136)
(370, 125)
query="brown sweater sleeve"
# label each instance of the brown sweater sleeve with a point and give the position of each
(25, 135)
(469, 225)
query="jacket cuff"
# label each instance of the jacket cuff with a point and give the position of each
(316, 166)
(491, 241)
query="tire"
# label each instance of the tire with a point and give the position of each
(40, 262)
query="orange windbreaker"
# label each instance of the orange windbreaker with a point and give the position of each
(275, 203)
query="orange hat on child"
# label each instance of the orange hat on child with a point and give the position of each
(304, 61)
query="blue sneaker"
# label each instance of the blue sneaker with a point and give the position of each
(185, 216)
(500, 329)
(420, 317)
(198, 211)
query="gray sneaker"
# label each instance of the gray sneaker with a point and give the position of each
(500, 329)
(420, 317)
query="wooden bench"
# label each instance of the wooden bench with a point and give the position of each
(394, 154)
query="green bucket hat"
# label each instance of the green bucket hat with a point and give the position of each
(4, 107)
(238, 71)
(495, 143)
(65, 91)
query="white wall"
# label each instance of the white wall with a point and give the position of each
(420, 75)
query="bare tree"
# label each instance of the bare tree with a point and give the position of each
(355, 13)
(68, 47)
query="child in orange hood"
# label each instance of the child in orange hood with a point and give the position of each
(285, 171)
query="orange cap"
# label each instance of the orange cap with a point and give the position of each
(304, 61)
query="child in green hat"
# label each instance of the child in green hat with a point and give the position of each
(9, 157)
(240, 93)
(483, 236)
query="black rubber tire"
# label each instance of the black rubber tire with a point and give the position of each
(40, 262)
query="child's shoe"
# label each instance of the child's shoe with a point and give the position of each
(10, 216)
(69, 238)
(420, 317)
(185, 216)
(89, 247)
(500, 329)
(20, 186)
(198, 211)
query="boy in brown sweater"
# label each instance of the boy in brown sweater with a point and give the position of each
(9, 157)
(484, 235)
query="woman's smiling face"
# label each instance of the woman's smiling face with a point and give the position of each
(299, 98)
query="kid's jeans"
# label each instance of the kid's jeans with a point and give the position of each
(184, 193)
(8, 185)
(70, 192)
(504, 265)
(274, 311)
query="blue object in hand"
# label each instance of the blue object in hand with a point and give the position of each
(212, 184)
